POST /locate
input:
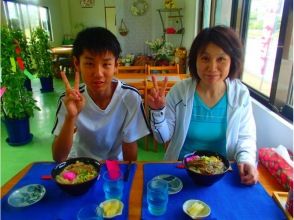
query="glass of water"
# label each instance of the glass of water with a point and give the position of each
(157, 196)
(113, 185)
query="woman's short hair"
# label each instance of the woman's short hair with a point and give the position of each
(225, 38)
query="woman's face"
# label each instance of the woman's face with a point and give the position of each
(96, 70)
(213, 64)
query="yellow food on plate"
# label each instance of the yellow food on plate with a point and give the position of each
(111, 208)
(195, 209)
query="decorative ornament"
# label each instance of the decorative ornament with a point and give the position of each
(169, 4)
(139, 7)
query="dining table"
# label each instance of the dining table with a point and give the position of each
(227, 197)
(64, 50)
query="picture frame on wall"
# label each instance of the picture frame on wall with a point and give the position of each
(87, 3)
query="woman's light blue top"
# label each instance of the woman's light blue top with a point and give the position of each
(207, 129)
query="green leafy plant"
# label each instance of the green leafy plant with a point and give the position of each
(16, 102)
(162, 49)
(40, 50)
(23, 44)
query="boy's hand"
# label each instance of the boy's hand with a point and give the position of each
(156, 99)
(73, 100)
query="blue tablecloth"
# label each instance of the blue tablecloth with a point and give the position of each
(56, 204)
(228, 198)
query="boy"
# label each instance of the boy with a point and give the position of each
(103, 118)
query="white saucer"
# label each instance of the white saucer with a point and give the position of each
(26, 195)
(175, 185)
(202, 214)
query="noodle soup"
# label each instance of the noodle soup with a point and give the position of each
(76, 175)
(80, 172)
(206, 167)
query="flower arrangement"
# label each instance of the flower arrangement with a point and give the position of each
(162, 49)
(128, 59)
(139, 7)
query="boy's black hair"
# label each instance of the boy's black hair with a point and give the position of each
(96, 40)
(225, 38)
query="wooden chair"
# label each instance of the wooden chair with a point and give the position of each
(137, 80)
(163, 69)
(131, 69)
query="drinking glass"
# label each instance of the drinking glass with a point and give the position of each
(113, 184)
(157, 196)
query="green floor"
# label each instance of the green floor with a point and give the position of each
(14, 158)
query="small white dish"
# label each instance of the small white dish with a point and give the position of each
(202, 214)
(175, 185)
(116, 205)
(26, 195)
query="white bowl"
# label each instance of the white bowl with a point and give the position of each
(117, 211)
(202, 214)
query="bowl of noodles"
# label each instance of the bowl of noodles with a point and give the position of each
(76, 176)
(206, 167)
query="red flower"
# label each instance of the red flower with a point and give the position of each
(20, 63)
(17, 50)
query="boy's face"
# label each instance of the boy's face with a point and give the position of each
(96, 70)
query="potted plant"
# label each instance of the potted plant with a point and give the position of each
(17, 103)
(128, 59)
(41, 54)
(163, 51)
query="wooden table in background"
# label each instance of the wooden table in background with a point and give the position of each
(136, 194)
(62, 51)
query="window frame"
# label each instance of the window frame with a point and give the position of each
(270, 102)
(240, 11)
(21, 16)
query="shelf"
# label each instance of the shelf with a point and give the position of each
(169, 9)
(172, 18)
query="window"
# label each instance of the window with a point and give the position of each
(27, 17)
(266, 31)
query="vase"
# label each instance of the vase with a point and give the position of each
(181, 58)
(28, 84)
(18, 131)
(47, 84)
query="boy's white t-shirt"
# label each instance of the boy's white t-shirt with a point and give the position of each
(100, 133)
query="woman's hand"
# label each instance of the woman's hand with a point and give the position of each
(73, 100)
(248, 173)
(156, 98)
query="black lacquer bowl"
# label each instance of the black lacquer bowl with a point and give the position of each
(79, 188)
(205, 179)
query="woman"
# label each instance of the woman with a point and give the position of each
(212, 109)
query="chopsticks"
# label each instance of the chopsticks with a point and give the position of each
(126, 175)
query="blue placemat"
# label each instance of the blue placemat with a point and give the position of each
(56, 204)
(228, 198)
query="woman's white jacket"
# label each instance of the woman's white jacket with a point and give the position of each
(172, 122)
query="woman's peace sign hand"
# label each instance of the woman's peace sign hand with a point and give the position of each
(73, 100)
(156, 98)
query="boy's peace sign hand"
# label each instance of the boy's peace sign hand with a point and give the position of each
(73, 100)
(156, 99)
